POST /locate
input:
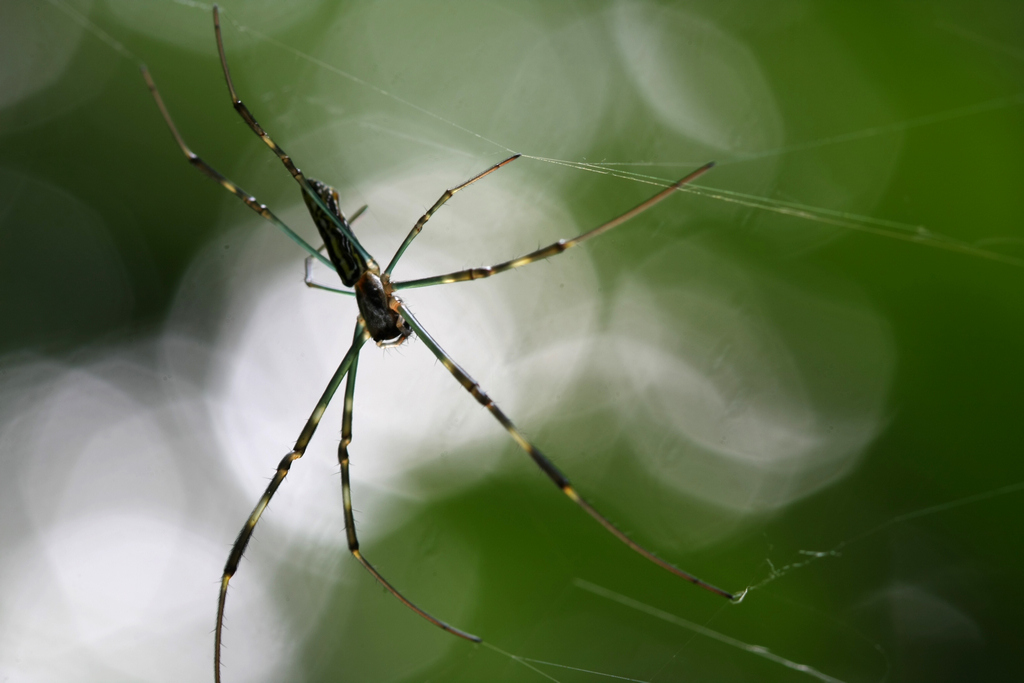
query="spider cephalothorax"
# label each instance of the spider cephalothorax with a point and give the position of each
(379, 308)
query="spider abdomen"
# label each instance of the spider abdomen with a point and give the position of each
(346, 259)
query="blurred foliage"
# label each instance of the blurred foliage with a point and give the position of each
(100, 218)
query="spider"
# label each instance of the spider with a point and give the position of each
(386, 318)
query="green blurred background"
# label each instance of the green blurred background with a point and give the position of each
(747, 386)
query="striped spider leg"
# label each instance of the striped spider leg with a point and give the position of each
(347, 367)
(542, 461)
(320, 198)
(385, 318)
(387, 325)
(344, 257)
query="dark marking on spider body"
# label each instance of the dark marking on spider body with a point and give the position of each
(333, 227)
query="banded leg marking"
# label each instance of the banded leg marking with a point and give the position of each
(556, 248)
(251, 121)
(437, 205)
(215, 175)
(350, 522)
(243, 110)
(549, 468)
(238, 549)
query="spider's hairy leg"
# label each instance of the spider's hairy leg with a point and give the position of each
(215, 175)
(237, 550)
(251, 121)
(437, 205)
(559, 246)
(350, 522)
(549, 468)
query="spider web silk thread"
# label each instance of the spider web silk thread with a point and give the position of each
(906, 232)
(92, 28)
(836, 551)
(757, 650)
(916, 234)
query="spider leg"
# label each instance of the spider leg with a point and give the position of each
(350, 522)
(213, 173)
(251, 121)
(359, 338)
(548, 467)
(437, 205)
(312, 284)
(358, 212)
(556, 248)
